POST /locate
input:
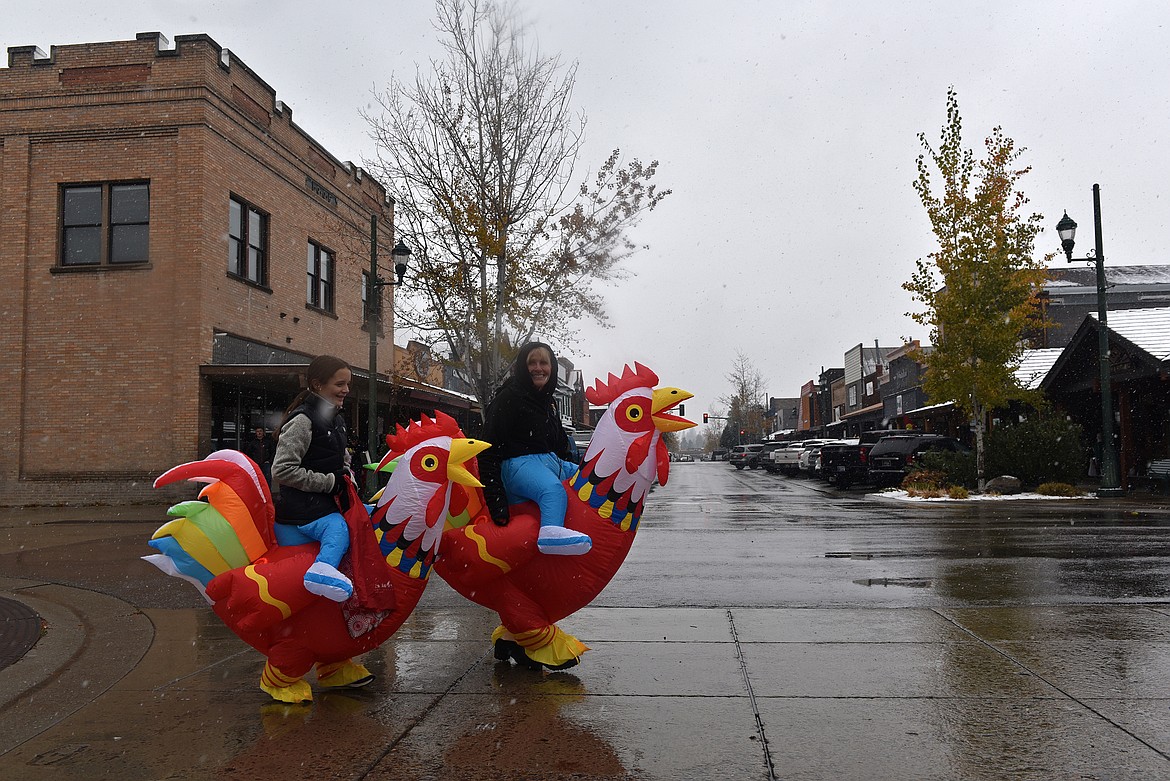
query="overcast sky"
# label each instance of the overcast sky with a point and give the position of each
(787, 130)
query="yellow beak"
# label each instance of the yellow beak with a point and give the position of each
(462, 451)
(665, 399)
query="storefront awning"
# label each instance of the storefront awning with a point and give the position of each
(864, 411)
(432, 394)
(290, 377)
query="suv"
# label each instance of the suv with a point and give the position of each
(892, 458)
(745, 455)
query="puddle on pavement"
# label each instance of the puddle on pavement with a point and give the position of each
(904, 582)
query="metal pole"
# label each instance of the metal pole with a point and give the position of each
(373, 320)
(1110, 479)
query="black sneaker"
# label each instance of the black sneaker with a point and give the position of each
(510, 649)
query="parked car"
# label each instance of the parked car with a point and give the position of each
(790, 460)
(847, 462)
(765, 457)
(892, 458)
(746, 455)
(686, 457)
(786, 459)
(810, 456)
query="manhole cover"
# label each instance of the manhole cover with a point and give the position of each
(20, 628)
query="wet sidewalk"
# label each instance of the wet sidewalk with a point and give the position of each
(664, 694)
(133, 679)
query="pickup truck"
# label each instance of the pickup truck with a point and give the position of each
(843, 464)
(847, 462)
(765, 455)
(787, 459)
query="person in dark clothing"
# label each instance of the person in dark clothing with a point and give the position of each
(259, 448)
(527, 459)
(311, 466)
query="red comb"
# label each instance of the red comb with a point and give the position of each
(419, 431)
(604, 393)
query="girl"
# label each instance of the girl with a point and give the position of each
(310, 466)
(529, 447)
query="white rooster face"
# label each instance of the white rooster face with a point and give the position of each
(414, 506)
(626, 451)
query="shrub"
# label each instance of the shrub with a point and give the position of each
(932, 484)
(924, 480)
(956, 468)
(1059, 489)
(1042, 450)
(924, 493)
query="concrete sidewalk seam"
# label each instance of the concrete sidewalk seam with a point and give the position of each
(996, 649)
(743, 669)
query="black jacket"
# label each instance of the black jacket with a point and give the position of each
(259, 450)
(520, 420)
(325, 454)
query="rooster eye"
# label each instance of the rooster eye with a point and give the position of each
(430, 463)
(634, 412)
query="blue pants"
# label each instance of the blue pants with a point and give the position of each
(538, 477)
(329, 530)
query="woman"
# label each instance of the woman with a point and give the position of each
(528, 452)
(311, 465)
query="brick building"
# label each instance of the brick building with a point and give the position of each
(176, 249)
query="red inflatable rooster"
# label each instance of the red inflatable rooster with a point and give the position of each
(500, 568)
(225, 546)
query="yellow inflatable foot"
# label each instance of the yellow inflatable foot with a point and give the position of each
(549, 647)
(349, 674)
(284, 688)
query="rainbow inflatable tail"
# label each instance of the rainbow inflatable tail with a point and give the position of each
(229, 526)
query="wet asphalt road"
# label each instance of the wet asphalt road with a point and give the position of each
(763, 627)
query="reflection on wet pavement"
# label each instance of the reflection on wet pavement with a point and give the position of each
(761, 629)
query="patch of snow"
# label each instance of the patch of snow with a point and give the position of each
(905, 497)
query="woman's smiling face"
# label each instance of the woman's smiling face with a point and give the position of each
(539, 367)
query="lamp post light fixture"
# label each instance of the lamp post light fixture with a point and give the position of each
(1067, 229)
(401, 255)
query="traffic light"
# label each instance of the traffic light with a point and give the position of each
(682, 410)
(704, 417)
(742, 431)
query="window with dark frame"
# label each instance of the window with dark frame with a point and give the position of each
(105, 224)
(247, 242)
(320, 280)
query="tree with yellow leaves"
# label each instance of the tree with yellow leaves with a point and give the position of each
(979, 288)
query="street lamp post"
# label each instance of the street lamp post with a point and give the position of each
(824, 403)
(1066, 229)
(401, 254)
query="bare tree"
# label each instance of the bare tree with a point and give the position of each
(746, 402)
(479, 153)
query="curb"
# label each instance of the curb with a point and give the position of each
(91, 641)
